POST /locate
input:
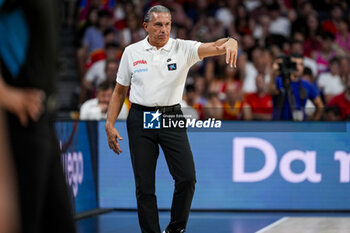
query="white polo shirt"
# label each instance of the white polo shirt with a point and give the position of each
(157, 77)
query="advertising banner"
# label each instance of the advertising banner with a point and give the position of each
(246, 166)
(75, 143)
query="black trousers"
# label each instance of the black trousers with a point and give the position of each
(43, 195)
(144, 150)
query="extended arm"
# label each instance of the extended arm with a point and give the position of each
(319, 108)
(220, 47)
(114, 108)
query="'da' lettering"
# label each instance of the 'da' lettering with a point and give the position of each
(309, 173)
(344, 160)
(239, 146)
(269, 152)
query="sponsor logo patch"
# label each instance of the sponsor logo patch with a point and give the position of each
(172, 66)
(141, 70)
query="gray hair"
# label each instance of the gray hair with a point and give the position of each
(158, 9)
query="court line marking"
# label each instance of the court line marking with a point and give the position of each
(272, 225)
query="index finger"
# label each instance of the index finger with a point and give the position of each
(235, 59)
(118, 148)
(228, 56)
(115, 147)
(232, 59)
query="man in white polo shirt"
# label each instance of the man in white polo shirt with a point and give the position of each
(155, 70)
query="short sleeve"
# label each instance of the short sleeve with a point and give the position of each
(191, 51)
(90, 110)
(91, 74)
(124, 72)
(312, 91)
(322, 81)
(87, 37)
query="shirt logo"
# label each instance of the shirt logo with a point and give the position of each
(151, 120)
(140, 70)
(172, 67)
(139, 62)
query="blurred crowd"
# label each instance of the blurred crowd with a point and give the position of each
(316, 33)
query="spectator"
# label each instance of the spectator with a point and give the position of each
(261, 31)
(86, 5)
(260, 64)
(330, 82)
(111, 70)
(219, 84)
(298, 48)
(264, 28)
(104, 70)
(91, 20)
(178, 15)
(342, 37)
(342, 101)
(213, 107)
(109, 38)
(96, 109)
(242, 21)
(207, 29)
(188, 101)
(279, 25)
(309, 76)
(200, 89)
(312, 42)
(325, 53)
(133, 32)
(291, 94)
(97, 73)
(331, 24)
(92, 40)
(248, 43)
(233, 104)
(332, 113)
(224, 14)
(258, 106)
(93, 37)
(344, 66)
(304, 9)
(182, 33)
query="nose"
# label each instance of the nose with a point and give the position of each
(163, 29)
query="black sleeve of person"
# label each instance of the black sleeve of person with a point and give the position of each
(40, 67)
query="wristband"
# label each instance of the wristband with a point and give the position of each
(233, 37)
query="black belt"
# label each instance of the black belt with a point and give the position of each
(162, 109)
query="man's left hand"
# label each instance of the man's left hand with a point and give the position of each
(231, 48)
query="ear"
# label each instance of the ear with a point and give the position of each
(145, 26)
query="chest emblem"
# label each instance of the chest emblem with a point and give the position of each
(135, 63)
(172, 66)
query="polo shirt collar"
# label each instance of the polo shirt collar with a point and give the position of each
(148, 46)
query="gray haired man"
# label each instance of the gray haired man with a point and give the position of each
(155, 70)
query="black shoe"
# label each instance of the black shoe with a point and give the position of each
(174, 231)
